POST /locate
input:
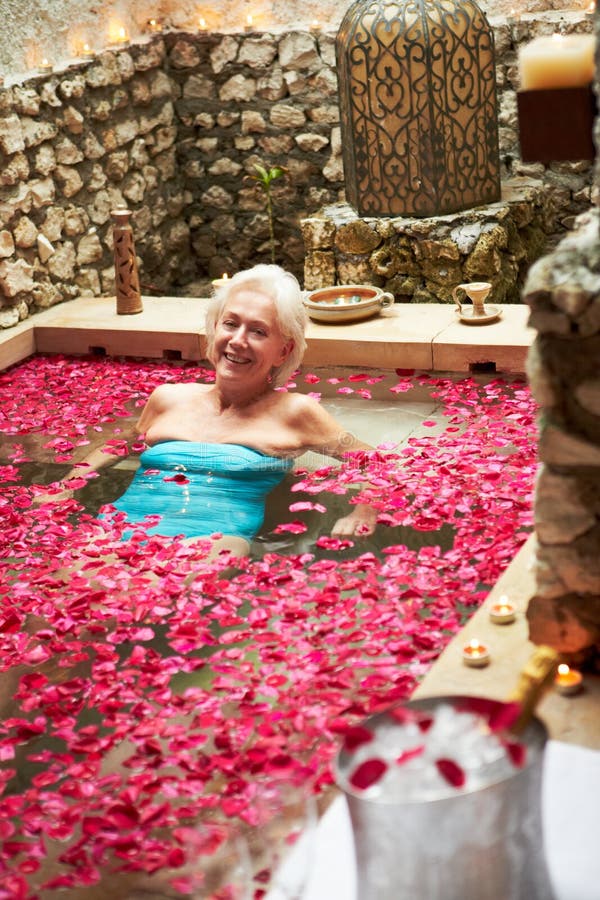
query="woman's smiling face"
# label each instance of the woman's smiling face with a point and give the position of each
(248, 340)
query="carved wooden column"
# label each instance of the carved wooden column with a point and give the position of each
(127, 284)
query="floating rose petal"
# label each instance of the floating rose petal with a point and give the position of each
(412, 753)
(368, 773)
(451, 771)
(356, 737)
(517, 753)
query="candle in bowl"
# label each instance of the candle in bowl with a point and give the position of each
(568, 681)
(503, 612)
(219, 282)
(557, 61)
(476, 654)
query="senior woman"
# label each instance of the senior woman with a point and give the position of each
(214, 452)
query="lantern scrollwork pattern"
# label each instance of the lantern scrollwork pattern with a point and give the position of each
(419, 122)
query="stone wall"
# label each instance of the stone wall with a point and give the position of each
(72, 148)
(171, 128)
(422, 260)
(563, 291)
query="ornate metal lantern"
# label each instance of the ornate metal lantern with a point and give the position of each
(417, 88)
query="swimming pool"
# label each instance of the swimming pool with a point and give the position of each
(143, 684)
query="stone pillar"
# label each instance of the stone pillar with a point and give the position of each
(563, 292)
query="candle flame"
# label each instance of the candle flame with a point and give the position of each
(202, 22)
(474, 644)
(248, 19)
(224, 276)
(563, 669)
(45, 61)
(117, 34)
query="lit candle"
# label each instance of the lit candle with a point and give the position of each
(249, 25)
(475, 654)
(120, 39)
(219, 282)
(45, 65)
(558, 61)
(514, 17)
(202, 26)
(567, 680)
(503, 612)
(86, 51)
(155, 25)
(314, 25)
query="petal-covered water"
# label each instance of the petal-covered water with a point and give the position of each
(143, 686)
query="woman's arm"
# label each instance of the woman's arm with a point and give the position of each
(323, 433)
(96, 460)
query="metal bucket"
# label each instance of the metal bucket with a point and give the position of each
(486, 844)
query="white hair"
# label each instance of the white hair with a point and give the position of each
(284, 290)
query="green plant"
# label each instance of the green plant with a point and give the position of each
(264, 178)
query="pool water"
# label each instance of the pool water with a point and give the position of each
(144, 686)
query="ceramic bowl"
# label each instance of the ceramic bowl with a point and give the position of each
(346, 302)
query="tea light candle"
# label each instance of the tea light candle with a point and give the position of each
(315, 26)
(45, 66)
(249, 25)
(86, 51)
(558, 61)
(202, 26)
(219, 282)
(568, 681)
(155, 25)
(120, 40)
(503, 612)
(475, 654)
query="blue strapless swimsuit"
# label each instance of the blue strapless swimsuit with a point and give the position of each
(200, 489)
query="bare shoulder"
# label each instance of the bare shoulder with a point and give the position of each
(167, 394)
(300, 408)
(313, 424)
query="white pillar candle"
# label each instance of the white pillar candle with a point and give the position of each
(557, 61)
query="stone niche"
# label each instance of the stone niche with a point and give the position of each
(563, 292)
(420, 260)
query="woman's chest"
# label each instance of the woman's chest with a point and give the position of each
(262, 431)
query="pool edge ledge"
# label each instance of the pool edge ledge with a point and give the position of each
(572, 720)
(423, 336)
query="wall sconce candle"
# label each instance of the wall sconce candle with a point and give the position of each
(503, 612)
(476, 654)
(568, 681)
(557, 61)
